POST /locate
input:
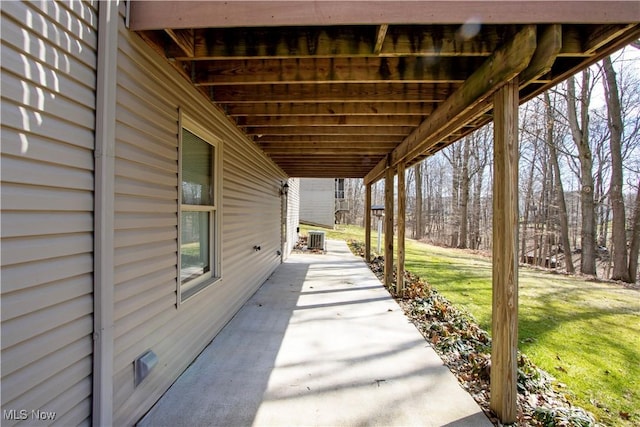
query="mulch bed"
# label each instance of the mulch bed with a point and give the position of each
(466, 349)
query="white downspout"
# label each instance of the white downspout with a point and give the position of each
(103, 214)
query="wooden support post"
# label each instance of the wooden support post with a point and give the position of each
(504, 325)
(367, 223)
(388, 227)
(402, 203)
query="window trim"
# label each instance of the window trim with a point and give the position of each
(187, 291)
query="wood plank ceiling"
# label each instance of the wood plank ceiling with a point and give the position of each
(341, 100)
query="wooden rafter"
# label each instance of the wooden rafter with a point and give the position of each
(330, 130)
(319, 42)
(381, 33)
(331, 109)
(333, 70)
(351, 151)
(335, 120)
(335, 92)
(184, 39)
(601, 35)
(399, 41)
(342, 139)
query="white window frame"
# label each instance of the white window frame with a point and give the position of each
(193, 287)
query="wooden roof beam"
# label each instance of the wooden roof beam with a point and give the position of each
(548, 47)
(342, 120)
(207, 44)
(333, 70)
(329, 130)
(352, 151)
(337, 42)
(322, 173)
(334, 92)
(382, 147)
(328, 159)
(468, 101)
(331, 109)
(342, 139)
(146, 15)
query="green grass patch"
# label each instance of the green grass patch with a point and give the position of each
(584, 333)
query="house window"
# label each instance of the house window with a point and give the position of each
(199, 211)
(339, 188)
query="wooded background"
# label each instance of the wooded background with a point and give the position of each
(579, 178)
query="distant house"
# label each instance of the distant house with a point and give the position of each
(322, 200)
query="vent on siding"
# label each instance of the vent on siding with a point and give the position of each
(316, 240)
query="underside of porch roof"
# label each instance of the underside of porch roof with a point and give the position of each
(346, 89)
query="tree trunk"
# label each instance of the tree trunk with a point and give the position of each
(580, 134)
(464, 195)
(562, 205)
(620, 266)
(602, 206)
(479, 156)
(455, 194)
(528, 207)
(476, 209)
(549, 236)
(418, 182)
(634, 247)
(429, 220)
(543, 212)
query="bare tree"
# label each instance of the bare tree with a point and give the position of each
(419, 227)
(529, 157)
(634, 247)
(580, 134)
(480, 157)
(465, 180)
(559, 190)
(620, 266)
(453, 154)
(542, 223)
(435, 211)
(354, 194)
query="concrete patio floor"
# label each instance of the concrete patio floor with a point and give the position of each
(321, 343)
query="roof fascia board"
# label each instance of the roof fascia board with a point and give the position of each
(156, 15)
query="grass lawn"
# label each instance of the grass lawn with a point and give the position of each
(584, 333)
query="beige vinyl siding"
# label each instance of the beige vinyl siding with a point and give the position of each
(48, 102)
(150, 96)
(317, 203)
(293, 214)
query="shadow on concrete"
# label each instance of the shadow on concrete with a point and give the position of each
(321, 343)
